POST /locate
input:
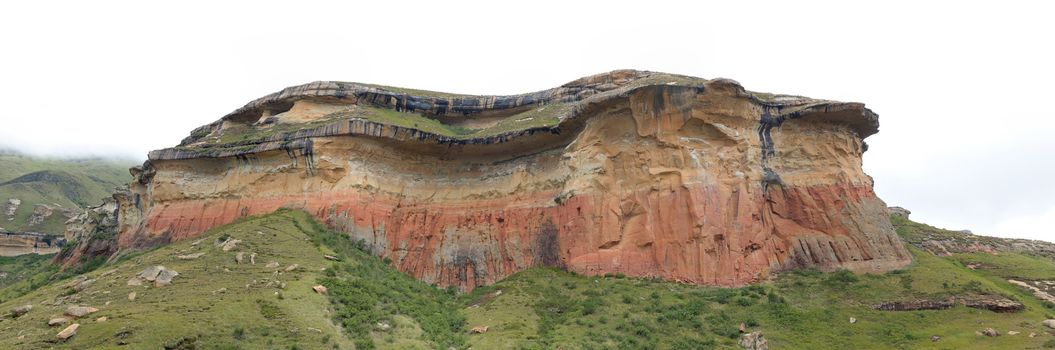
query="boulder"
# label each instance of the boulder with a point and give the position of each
(68, 332)
(990, 332)
(291, 267)
(165, 277)
(132, 296)
(102, 319)
(1049, 323)
(150, 274)
(238, 257)
(82, 285)
(80, 311)
(58, 321)
(754, 341)
(479, 330)
(853, 320)
(230, 245)
(160, 275)
(272, 265)
(21, 310)
(383, 326)
(900, 212)
(319, 289)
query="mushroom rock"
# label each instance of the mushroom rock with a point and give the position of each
(641, 173)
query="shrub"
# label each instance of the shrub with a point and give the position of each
(841, 279)
(591, 304)
(745, 301)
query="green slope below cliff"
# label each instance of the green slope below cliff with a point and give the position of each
(216, 302)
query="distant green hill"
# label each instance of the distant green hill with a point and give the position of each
(218, 303)
(65, 186)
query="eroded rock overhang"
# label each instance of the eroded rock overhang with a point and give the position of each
(579, 100)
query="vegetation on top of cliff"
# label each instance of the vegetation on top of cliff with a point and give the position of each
(413, 92)
(244, 136)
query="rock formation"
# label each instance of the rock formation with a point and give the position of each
(943, 242)
(640, 173)
(12, 206)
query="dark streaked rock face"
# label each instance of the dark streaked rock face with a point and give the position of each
(641, 173)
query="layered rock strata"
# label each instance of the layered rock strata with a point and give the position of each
(640, 173)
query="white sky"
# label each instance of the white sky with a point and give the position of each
(962, 88)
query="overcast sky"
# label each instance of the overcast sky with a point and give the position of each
(962, 89)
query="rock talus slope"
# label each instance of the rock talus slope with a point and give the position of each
(640, 173)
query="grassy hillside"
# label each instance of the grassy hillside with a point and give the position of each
(59, 183)
(217, 303)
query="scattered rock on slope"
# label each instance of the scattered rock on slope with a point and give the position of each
(58, 321)
(21, 310)
(754, 341)
(230, 244)
(160, 275)
(80, 311)
(68, 332)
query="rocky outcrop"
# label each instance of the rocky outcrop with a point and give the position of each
(640, 173)
(40, 213)
(94, 232)
(943, 242)
(18, 243)
(11, 208)
(983, 302)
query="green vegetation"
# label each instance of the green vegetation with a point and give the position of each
(244, 136)
(59, 183)
(22, 268)
(366, 293)
(218, 303)
(206, 305)
(544, 116)
(416, 92)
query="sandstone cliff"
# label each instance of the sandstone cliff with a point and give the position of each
(640, 173)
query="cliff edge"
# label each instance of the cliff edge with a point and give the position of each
(632, 172)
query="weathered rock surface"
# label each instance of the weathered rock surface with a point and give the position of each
(641, 173)
(58, 321)
(943, 242)
(160, 275)
(40, 213)
(754, 341)
(79, 311)
(68, 332)
(95, 230)
(21, 310)
(12, 207)
(984, 302)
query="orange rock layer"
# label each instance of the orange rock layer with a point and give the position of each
(694, 181)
